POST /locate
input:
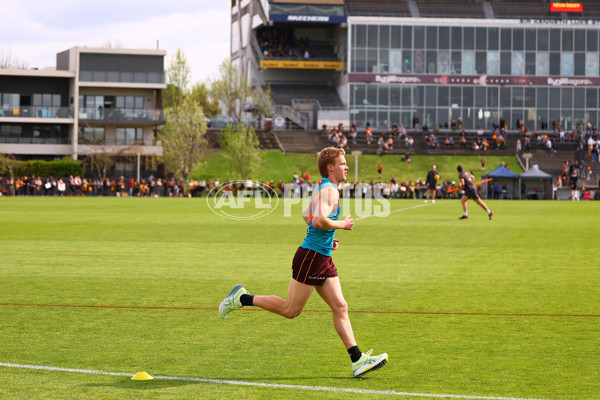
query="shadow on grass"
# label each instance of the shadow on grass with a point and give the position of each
(153, 384)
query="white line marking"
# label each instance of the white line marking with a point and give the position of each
(268, 385)
(401, 209)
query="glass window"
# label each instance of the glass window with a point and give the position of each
(517, 97)
(361, 36)
(407, 35)
(494, 39)
(492, 97)
(542, 97)
(542, 67)
(555, 63)
(432, 38)
(139, 102)
(56, 100)
(419, 37)
(555, 40)
(554, 98)
(383, 61)
(372, 61)
(480, 96)
(419, 64)
(443, 62)
(566, 64)
(37, 100)
(469, 38)
(481, 38)
(567, 40)
(591, 97)
(579, 98)
(443, 94)
(468, 63)
(529, 63)
(406, 96)
(542, 39)
(505, 39)
(591, 64)
(456, 62)
(467, 96)
(566, 95)
(431, 96)
(518, 36)
(384, 36)
(371, 95)
(396, 61)
(480, 62)
(360, 61)
(407, 61)
(444, 38)
(455, 96)
(493, 63)
(384, 92)
(395, 95)
(505, 62)
(518, 63)
(456, 38)
(579, 66)
(529, 97)
(372, 36)
(360, 94)
(505, 97)
(592, 40)
(580, 40)
(396, 37)
(431, 61)
(530, 39)
(418, 96)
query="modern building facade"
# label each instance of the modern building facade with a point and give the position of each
(432, 62)
(98, 100)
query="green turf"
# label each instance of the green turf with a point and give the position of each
(277, 166)
(502, 308)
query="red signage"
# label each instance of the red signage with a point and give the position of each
(566, 7)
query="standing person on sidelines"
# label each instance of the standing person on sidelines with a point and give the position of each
(312, 266)
(466, 183)
(431, 180)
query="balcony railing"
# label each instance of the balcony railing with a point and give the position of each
(33, 140)
(119, 142)
(122, 114)
(36, 112)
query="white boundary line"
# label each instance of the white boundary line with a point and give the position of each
(401, 209)
(268, 385)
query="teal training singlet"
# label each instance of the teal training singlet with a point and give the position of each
(320, 240)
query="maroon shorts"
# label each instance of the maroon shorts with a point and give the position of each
(312, 268)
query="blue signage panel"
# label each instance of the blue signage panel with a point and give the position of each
(332, 19)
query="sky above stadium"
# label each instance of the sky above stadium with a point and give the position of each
(34, 31)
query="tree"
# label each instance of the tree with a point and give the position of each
(240, 145)
(183, 138)
(9, 61)
(178, 79)
(238, 95)
(8, 163)
(201, 95)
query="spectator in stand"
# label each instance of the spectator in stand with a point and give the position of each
(369, 133)
(518, 146)
(352, 134)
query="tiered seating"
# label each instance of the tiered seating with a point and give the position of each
(455, 9)
(379, 8)
(283, 94)
(522, 9)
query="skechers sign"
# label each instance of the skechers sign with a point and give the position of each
(331, 19)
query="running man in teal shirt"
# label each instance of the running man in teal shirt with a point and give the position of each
(313, 268)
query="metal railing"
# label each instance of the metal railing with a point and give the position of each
(33, 140)
(293, 115)
(122, 114)
(119, 142)
(36, 112)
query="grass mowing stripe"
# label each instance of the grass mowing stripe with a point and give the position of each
(308, 311)
(398, 210)
(267, 385)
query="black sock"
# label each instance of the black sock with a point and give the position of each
(355, 353)
(247, 300)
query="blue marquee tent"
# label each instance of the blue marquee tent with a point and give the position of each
(507, 180)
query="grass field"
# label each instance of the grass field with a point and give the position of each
(507, 308)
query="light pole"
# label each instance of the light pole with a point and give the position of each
(356, 153)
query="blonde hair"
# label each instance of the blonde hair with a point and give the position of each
(328, 156)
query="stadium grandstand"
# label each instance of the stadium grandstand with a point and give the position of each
(525, 67)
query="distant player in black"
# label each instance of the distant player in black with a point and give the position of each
(573, 177)
(470, 192)
(431, 180)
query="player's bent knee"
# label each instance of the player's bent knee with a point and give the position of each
(340, 308)
(291, 314)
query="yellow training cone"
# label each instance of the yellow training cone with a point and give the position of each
(142, 376)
